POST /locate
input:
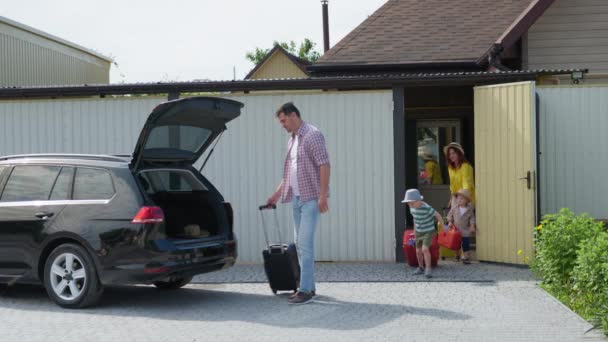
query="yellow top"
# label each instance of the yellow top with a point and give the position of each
(462, 178)
(433, 172)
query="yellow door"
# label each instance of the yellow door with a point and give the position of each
(505, 168)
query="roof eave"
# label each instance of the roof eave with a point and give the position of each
(517, 29)
(343, 83)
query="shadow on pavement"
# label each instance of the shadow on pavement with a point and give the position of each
(212, 304)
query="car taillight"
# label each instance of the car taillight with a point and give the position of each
(149, 215)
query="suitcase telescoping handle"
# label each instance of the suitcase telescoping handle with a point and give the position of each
(276, 222)
(268, 206)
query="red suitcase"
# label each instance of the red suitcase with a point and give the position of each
(409, 249)
(450, 239)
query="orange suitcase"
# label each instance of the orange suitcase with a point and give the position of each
(450, 239)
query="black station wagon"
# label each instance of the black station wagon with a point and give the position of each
(78, 222)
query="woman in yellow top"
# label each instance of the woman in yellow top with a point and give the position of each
(460, 172)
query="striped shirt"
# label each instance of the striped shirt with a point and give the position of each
(424, 218)
(311, 153)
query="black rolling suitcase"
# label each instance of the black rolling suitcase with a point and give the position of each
(280, 260)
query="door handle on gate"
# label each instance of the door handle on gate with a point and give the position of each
(44, 215)
(528, 179)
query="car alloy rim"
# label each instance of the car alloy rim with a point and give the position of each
(68, 276)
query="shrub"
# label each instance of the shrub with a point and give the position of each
(558, 239)
(590, 280)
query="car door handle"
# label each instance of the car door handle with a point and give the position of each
(44, 215)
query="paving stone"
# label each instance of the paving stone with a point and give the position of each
(497, 303)
(378, 272)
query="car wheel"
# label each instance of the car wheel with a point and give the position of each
(173, 283)
(70, 277)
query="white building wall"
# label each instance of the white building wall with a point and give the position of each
(573, 142)
(247, 163)
(106, 126)
(571, 34)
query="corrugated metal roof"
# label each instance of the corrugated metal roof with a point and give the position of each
(45, 35)
(362, 81)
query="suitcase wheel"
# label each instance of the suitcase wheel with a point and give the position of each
(274, 291)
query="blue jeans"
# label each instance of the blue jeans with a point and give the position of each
(305, 218)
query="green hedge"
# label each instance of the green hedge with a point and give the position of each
(572, 259)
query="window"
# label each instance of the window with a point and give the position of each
(92, 184)
(30, 183)
(61, 190)
(187, 138)
(432, 136)
(167, 180)
(173, 181)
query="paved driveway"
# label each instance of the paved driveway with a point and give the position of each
(381, 310)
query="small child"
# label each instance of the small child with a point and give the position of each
(463, 217)
(424, 228)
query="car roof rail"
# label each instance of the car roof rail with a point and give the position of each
(102, 157)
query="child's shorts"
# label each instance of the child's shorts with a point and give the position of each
(466, 244)
(424, 239)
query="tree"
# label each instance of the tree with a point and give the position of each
(305, 51)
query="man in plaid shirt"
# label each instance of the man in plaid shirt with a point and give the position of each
(306, 184)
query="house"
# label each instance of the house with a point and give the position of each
(413, 74)
(278, 63)
(30, 57)
(435, 36)
(473, 35)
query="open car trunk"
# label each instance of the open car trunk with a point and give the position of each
(191, 215)
(193, 208)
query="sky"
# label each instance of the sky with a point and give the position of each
(183, 40)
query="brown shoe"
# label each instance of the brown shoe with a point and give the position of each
(301, 298)
(294, 295)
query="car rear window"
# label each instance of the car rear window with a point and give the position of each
(30, 183)
(93, 184)
(169, 180)
(187, 138)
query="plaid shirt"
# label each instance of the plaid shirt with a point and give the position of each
(312, 153)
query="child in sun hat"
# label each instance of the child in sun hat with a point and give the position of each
(463, 217)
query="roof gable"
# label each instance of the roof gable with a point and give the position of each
(287, 64)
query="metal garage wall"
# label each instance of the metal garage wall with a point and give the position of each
(108, 126)
(30, 57)
(247, 163)
(247, 167)
(573, 141)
